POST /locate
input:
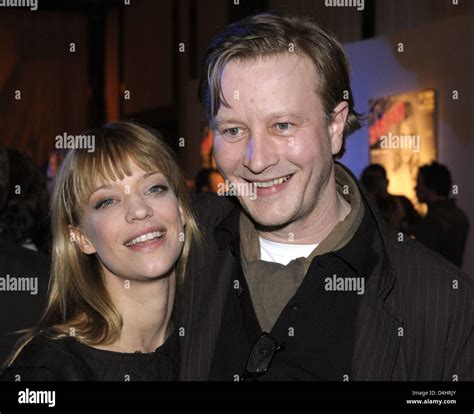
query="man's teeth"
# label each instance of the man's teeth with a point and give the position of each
(266, 184)
(144, 237)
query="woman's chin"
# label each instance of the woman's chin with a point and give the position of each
(154, 272)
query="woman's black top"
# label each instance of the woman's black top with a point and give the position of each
(66, 359)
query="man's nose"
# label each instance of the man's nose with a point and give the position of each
(260, 153)
(137, 208)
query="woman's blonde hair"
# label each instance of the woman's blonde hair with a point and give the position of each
(78, 303)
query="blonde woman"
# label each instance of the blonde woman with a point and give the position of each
(122, 229)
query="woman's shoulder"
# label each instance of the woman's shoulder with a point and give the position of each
(45, 358)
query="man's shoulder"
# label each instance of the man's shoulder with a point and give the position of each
(210, 208)
(412, 261)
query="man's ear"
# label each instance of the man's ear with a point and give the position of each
(78, 237)
(336, 127)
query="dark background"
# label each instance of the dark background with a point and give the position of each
(136, 48)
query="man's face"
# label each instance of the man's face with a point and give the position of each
(274, 135)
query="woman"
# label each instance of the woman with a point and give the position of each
(122, 228)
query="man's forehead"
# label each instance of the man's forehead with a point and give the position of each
(255, 80)
(281, 65)
(267, 86)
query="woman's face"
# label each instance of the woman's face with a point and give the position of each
(134, 225)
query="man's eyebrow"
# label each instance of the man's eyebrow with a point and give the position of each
(218, 122)
(109, 186)
(273, 115)
(282, 114)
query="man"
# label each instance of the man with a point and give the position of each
(445, 227)
(397, 210)
(301, 279)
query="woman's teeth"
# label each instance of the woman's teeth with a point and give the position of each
(145, 237)
(265, 184)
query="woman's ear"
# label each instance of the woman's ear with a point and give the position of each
(181, 215)
(78, 237)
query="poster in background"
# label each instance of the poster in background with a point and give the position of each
(402, 137)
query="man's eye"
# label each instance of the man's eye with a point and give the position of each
(104, 204)
(283, 126)
(156, 189)
(232, 132)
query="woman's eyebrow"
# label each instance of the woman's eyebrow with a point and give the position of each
(109, 186)
(102, 187)
(148, 174)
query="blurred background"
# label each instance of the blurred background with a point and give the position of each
(76, 64)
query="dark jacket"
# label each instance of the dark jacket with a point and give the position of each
(415, 320)
(66, 359)
(20, 309)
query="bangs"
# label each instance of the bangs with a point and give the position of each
(110, 162)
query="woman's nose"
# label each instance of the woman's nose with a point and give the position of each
(137, 208)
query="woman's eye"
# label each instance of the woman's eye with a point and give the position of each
(104, 204)
(158, 189)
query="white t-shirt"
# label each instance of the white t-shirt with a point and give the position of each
(283, 253)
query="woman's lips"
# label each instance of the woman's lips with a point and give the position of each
(148, 245)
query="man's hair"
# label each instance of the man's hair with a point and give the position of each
(268, 34)
(437, 178)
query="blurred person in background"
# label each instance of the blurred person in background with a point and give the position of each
(24, 273)
(397, 210)
(209, 179)
(445, 227)
(24, 218)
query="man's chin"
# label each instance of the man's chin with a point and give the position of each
(268, 219)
